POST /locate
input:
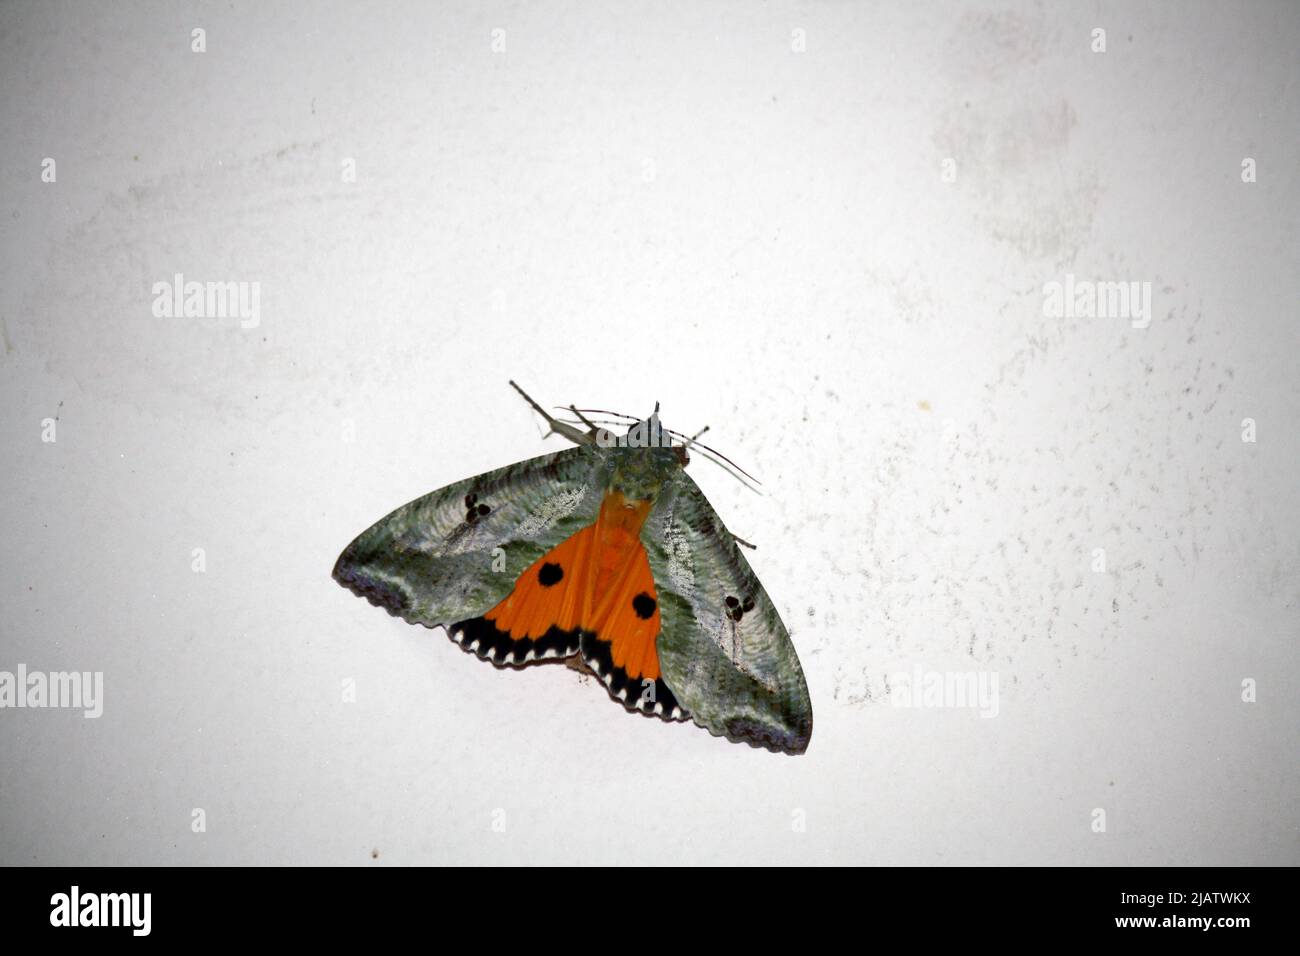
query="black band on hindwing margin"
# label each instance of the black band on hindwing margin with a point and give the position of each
(497, 646)
(629, 691)
(500, 648)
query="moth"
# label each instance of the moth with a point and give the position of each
(606, 554)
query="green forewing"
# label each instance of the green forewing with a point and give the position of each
(738, 678)
(429, 563)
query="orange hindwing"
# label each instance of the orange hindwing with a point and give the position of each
(593, 593)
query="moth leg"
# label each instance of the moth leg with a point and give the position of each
(591, 427)
(557, 427)
(576, 663)
(691, 441)
(743, 542)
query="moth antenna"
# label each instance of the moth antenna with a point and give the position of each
(598, 421)
(691, 441)
(688, 444)
(556, 427)
(716, 452)
(606, 411)
(729, 471)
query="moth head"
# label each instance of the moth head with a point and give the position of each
(644, 459)
(658, 455)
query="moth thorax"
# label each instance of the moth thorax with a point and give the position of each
(628, 514)
(641, 480)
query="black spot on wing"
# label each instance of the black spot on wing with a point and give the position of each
(475, 509)
(736, 609)
(644, 605)
(550, 574)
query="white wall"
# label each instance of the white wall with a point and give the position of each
(623, 206)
